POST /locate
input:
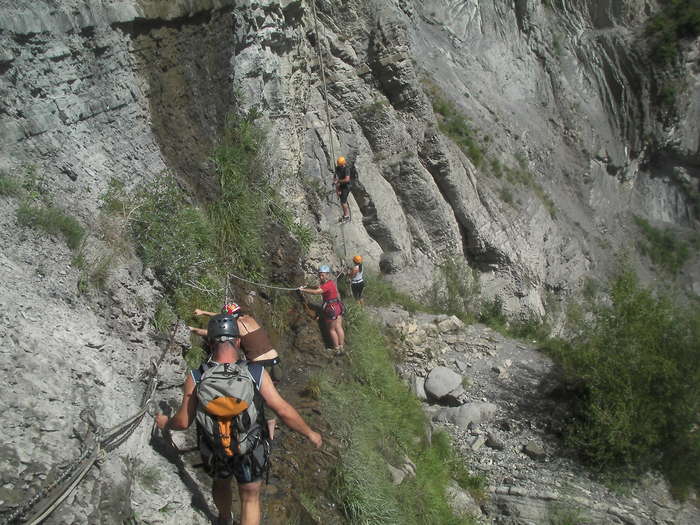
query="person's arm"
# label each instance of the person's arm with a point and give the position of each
(184, 416)
(286, 412)
(203, 312)
(313, 291)
(199, 331)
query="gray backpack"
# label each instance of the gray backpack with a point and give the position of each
(229, 409)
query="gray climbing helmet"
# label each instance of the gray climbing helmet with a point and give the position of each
(222, 327)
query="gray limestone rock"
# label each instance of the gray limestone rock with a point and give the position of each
(460, 501)
(470, 413)
(418, 387)
(534, 450)
(441, 381)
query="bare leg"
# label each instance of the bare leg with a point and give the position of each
(222, 495)
(346, 210)
(250, 502)
(271, 423)
(340, 333)
(333, 334)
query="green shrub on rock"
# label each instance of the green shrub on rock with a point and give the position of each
(52, 220)
(636, 370)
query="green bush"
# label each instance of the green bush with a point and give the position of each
(492, 314)
(52, 220)
(663, 247)
(677, 19)
(530, 328)
(163, 318)
(387, 423)
(240, 209)
(191, 247)
(456, 289)
(172, 236)
(636, 369)
(453, 124)
(522, 176)
(195, 356)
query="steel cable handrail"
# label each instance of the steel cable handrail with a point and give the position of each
(49, 498)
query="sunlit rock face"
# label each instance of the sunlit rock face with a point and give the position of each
(565, 145)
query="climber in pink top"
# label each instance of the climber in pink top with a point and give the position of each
(333, 308)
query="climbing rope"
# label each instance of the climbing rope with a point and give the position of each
(262, 285)
(95, 447)
(328, 113)
(323, 82)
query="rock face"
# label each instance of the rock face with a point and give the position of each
(563, 130)
(559, 94)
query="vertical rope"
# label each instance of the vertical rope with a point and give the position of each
(323, 82)
(328, 113)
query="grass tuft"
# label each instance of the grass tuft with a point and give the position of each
(10, 186)
(52, 220)
(387, 423)
(662, 247)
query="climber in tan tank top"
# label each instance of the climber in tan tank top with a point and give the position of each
(255, 344)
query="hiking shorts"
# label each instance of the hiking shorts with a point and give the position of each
(249, 468)
(344, 192)
(331, 311)
(273, 368)
(357, 289)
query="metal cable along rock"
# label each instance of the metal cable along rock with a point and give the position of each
(95, 448)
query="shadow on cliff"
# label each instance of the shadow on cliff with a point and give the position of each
(162, 443)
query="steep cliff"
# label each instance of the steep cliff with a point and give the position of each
(563, 144)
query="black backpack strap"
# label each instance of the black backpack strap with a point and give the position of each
(197, 373)
(256, 371)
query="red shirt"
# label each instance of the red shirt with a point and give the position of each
(330, 291)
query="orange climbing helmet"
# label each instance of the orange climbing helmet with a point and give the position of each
(231, 309)
(357, 259)
(340, 161)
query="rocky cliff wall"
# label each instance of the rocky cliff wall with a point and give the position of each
(559, 88)
(94, 92)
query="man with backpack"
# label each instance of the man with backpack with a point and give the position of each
(225, 396)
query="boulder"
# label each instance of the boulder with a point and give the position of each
(441, 381)
(397, 475)
(451, 324)
(460, 501)
(462, 416)
(454, 398)
(534, 450)
(494, 442)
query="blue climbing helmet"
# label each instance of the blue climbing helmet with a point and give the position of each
(324, 269)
